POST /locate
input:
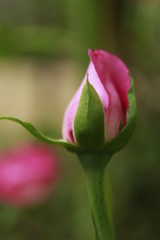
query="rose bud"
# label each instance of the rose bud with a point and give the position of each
(27, 174)
(101, 115)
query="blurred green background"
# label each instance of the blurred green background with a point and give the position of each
(43, 58)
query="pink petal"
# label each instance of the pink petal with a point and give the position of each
(114, 76)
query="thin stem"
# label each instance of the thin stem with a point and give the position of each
(94, 166)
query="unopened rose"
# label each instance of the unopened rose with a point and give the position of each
(109, 77)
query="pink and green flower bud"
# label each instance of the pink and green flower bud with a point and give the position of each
(102, 114)
(103, 108)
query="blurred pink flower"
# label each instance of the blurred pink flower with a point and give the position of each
(110, 78)
(27, 174)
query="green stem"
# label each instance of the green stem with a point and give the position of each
(94, 165)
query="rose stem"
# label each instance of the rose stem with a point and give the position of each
(94, 165)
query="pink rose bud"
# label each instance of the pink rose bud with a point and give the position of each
(108, 78)
(27, 174)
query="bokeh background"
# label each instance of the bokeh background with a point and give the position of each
(43, 58)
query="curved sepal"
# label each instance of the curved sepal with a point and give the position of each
(31, 129)
(122, 138)
(89, 130)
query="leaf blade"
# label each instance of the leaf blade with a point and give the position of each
(31, 129)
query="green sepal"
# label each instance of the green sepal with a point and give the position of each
(122, 138)
(31, 129)
(89, 130)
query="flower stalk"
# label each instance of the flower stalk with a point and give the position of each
(94, 166)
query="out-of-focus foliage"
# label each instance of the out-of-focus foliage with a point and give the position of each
(140, 32)
(51, 39)
(31, 27)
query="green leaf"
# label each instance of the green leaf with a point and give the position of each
(122, 138)
(30, 128)
(89, 120)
